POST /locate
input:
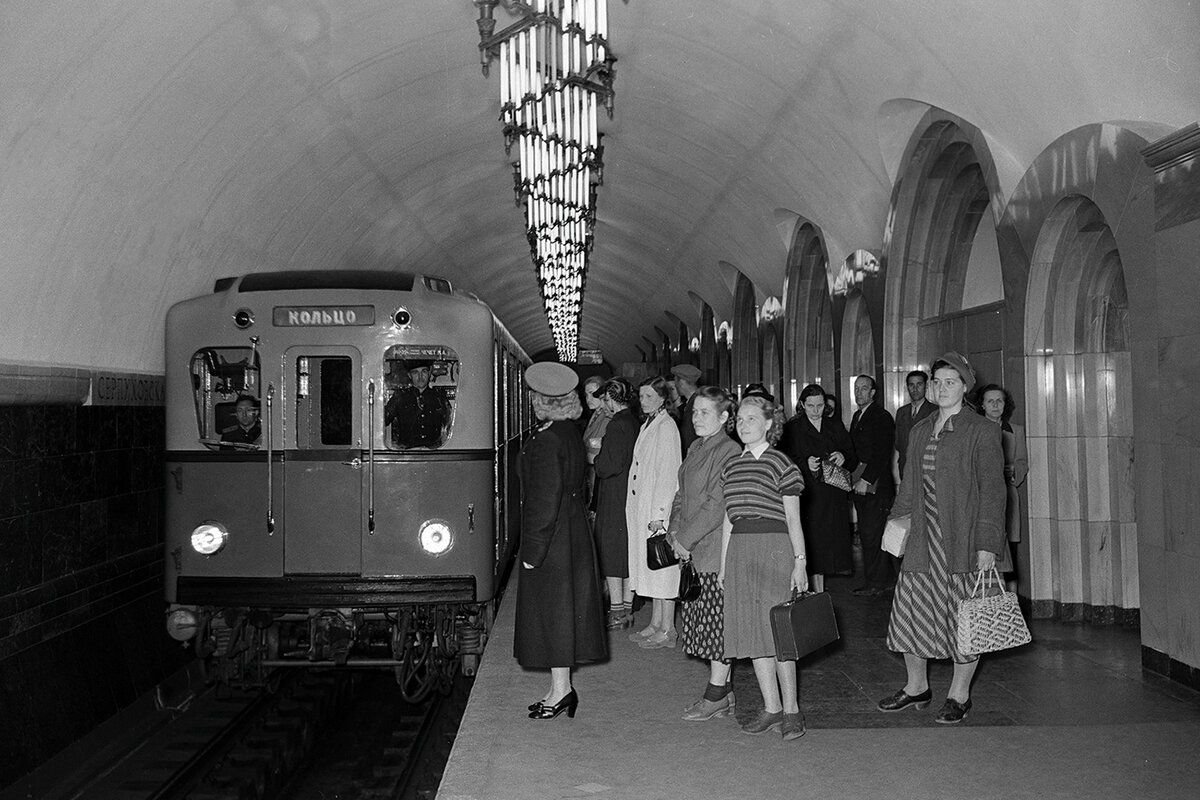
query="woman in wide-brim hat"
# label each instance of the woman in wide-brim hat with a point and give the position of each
(559, 619)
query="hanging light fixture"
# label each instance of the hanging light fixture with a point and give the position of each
(556, 71)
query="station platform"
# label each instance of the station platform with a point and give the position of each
(1070, 715)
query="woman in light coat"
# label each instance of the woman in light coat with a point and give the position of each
(653, 479)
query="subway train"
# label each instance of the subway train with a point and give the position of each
(341, 474)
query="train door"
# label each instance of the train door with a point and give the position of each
(323, 460)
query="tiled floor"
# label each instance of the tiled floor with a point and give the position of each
(1069, 716)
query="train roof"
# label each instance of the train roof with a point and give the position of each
(360, 279)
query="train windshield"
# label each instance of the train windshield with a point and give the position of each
(226, 386)
(420, 392)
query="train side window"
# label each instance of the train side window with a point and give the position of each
(221, 375)
(420, 395)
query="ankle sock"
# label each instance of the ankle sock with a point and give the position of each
(713, 693)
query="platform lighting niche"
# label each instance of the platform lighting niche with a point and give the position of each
(555, 72)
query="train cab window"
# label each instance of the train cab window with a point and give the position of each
(421, 393)
(226, 390)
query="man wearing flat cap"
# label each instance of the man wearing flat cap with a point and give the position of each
(687, 378)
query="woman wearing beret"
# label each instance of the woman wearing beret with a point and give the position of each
(954, 491)
(559, 619)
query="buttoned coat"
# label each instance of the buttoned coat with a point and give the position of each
(698, 508)
(653, 479)
(969, 481)
(612, 490)
(559, 620)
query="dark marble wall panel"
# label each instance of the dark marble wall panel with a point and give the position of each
(81, 623)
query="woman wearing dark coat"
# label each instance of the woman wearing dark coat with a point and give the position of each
(559, 618)
(808, 438)
(612, 485)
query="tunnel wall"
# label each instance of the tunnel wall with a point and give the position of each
(81, 614)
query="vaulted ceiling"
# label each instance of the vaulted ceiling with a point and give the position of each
(148, 147)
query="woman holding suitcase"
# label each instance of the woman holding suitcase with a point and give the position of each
(763, 560)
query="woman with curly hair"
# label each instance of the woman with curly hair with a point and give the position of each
(559, 620)
(763, 560)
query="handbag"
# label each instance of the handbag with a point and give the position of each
(835, 476)
(895, 535)
(986, 624)
(803, 624)
(659, 553)
(689, 582)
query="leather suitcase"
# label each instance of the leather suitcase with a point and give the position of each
(803, 624)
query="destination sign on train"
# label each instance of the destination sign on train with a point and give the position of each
(323, 316)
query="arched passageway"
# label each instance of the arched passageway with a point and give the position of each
(1079, 391)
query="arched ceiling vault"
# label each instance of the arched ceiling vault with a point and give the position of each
(146, 151)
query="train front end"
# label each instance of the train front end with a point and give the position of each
(332, 487)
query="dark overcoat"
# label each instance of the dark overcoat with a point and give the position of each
(824, 510)
(612, 485)
(560, 621)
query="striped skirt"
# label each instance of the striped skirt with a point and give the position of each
(924, 620)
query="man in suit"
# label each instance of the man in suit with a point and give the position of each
(908, 415)
(874, 435)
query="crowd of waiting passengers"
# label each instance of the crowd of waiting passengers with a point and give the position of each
(761, 508)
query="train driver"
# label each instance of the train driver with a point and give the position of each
(248, 429)
(417, 412)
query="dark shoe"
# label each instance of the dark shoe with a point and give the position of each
(618, 620)
(952, 711)
(903, 699)
(703, 710)
(568, 704)
(793, 726)
(763, 723)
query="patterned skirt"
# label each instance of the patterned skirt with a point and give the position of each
(703, 628)
(924, 620)
(758, 575)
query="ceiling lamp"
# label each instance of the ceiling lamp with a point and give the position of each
(556, 71)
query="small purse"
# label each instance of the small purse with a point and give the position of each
(895, 535)
(659, 553)
(835, 476)
(689, 582)
(803, 624)
(987, 624)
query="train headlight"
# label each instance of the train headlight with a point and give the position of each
(182, 624)
(437, 537)
(209, 537)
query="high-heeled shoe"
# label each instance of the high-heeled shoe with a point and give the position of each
(568, 704)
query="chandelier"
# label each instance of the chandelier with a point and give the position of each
(555, 72)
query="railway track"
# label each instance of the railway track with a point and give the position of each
(319, 734)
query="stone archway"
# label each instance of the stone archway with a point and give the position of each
(746, 364)
(1079, 390)
(808, 326)
(937, 247)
